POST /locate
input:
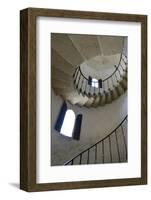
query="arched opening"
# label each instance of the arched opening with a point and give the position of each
(68, 123)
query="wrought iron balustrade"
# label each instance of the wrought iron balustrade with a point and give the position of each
(81, 82)
(115, 144)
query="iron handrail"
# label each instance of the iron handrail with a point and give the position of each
(88, 149)
(116, 68)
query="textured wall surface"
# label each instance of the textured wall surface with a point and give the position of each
(96, 124)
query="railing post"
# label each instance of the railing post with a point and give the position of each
(89, 90)
(81, 84)
(119, 72)
(119, 68)
(124, 140)
(86, 87)
(77, 86)
(116, 78)
(117, 146)
(124, 60)
(110, 149)
(112, 82)
(108, 84)
(76, 75)
(101, 142)
(122, 67)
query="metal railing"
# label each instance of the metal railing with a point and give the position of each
(82, 85)
(117, 148)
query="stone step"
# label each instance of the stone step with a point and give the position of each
(102, 99)
(96, 101)
(60, 63)
(108, 97)
(65, 88)
(56, 83)
(60, 73)
(82, 100)
(123, 83)
(87, 46)
(124, 76)
(63, 91)
(119, 89)
(65, 47)
(75, 98)
(89, 102)
(114, 94)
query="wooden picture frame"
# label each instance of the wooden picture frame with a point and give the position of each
(28, 98)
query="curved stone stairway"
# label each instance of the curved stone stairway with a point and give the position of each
(66, 54)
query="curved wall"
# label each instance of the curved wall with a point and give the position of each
(96, 124)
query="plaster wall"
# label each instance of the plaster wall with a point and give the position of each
(96, 124)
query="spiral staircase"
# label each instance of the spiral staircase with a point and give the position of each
(73, 59)
(69, 52)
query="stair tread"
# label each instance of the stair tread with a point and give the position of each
(65, 47)
(59, 62)
(60, 73)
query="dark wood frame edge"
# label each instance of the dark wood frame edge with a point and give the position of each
(28, 99)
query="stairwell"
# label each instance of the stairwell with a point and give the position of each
(68, 80)
(68, 53)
